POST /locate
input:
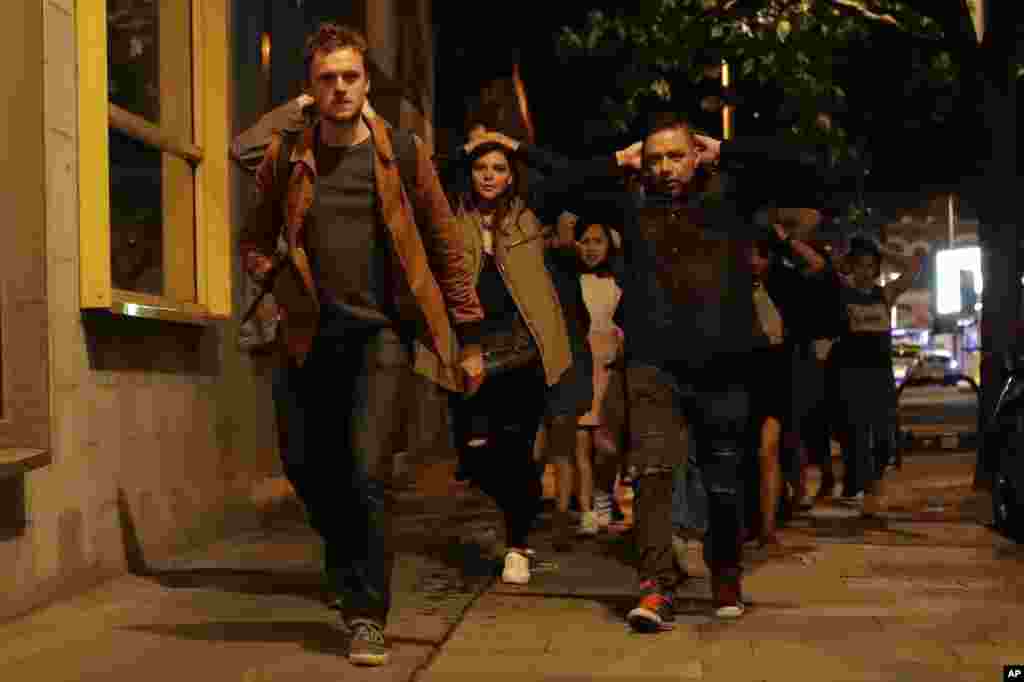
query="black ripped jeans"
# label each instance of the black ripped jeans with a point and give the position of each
(503, 418)
(716, 405)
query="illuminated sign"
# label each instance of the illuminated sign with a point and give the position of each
(949, 264)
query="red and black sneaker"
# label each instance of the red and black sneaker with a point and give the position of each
(727, 597)
(655, 611)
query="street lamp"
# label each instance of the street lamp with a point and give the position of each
(727, 110)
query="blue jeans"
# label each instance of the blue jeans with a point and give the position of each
(342, 416)
(689, 498)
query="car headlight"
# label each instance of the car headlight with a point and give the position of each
(953, 364)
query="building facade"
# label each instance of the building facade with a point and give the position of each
(131, 424)
(935, 224)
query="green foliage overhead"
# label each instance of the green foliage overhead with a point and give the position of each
(795, 46)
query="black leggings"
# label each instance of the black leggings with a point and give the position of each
(505, 414)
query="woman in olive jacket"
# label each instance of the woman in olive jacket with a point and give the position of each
(537, 362)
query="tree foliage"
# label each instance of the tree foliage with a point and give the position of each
(807, 51)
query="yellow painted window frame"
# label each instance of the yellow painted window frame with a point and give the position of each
(209, 153)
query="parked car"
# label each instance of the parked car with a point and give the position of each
(1004, 450)
(934, 366)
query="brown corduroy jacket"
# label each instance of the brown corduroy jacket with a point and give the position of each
(436, 292)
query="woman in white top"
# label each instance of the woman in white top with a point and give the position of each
(598, 246)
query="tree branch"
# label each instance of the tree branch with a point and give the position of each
(953, 16)
(858, 6)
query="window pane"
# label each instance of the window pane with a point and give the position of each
(149, 60)
(133, 56)
(136, 215)
(152, 194)
(152, 220)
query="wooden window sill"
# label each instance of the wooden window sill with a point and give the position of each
(132, 304)
(18, 461)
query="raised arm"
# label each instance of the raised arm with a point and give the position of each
(249, 147)
(443, 242)
(566, 176)
(911, 267)
(543, 160)
(794, 248)
(747, 152)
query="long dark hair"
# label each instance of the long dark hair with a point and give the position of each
(470, 202)
(605, 267)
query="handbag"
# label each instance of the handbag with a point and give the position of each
(505, 353)
(259, 332)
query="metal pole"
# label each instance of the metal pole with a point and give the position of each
(952, 222)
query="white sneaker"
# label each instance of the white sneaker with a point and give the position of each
(851, 499)
(517, 568)
(589, 524)
(603, 510)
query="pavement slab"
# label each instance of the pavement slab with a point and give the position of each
(546, 638)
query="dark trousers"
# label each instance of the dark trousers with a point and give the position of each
(506, 413)
(815, 432)
(867, 399)
(343, 413)
(716, 407)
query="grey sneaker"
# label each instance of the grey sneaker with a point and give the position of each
(368, 646)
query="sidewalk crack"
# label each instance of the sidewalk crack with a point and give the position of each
(425, 665)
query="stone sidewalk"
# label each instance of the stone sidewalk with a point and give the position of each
(925, 593)
(253, 607)
(841, 612)
(915, 597)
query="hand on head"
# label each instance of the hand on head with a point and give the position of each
(708, 148)
(631, 157)
(492, 136)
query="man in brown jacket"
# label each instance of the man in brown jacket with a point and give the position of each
(367, 293)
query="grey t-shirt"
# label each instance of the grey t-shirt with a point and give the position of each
(349, 244)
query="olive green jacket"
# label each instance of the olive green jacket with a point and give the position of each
(519, 251)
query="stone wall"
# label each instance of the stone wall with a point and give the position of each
(161, 434)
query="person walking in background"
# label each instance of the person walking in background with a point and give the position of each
(863, 358)
(815, 401)
(599, 246)
(779, 292)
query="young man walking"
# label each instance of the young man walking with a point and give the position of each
(368, 294)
